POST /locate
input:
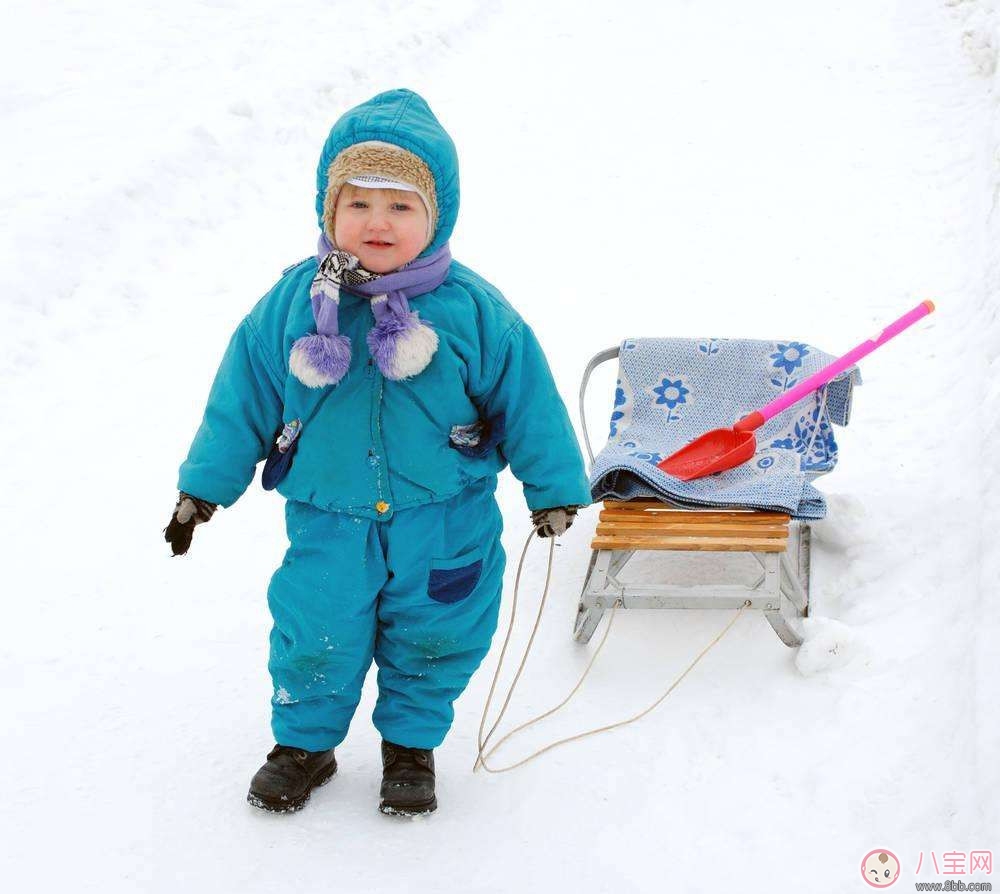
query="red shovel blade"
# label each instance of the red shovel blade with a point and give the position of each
(714, 451)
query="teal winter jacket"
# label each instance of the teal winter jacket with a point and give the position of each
(370, 446)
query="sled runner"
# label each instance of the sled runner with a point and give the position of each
(780, 588)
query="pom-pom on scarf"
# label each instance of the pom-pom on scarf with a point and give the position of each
(400, 343)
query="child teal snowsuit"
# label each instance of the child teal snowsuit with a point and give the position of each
(394, 533)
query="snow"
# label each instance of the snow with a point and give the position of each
(785, 169)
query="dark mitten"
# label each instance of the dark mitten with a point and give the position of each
(553, 522)
(188, 512)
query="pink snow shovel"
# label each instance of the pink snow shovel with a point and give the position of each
(727, 448)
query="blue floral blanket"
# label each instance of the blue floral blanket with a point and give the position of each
(671, 390)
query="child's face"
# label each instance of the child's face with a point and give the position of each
(383, 228)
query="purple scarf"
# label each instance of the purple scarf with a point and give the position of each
(400, 342)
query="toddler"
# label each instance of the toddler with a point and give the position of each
(386, 385)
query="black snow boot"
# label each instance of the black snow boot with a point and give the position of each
(407, 780)
(283, 784)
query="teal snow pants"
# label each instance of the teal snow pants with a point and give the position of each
(419, 593)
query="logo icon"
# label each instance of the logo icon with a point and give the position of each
(880, 868)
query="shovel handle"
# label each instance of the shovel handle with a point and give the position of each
(794, 395)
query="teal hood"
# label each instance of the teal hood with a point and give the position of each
(403, 118)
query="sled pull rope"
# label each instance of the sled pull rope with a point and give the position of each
(483, 754)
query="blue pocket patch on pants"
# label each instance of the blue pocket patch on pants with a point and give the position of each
(451, 580)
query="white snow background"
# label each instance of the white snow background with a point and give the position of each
(772, 170)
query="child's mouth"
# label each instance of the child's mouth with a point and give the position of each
(376, 244)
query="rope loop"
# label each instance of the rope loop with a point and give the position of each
(619, 602)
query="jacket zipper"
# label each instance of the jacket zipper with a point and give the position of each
(376, 450)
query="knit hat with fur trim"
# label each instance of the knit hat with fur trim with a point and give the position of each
(383, 160)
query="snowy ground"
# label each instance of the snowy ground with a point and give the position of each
(782, 169)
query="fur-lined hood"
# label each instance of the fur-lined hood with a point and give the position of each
(402, 118)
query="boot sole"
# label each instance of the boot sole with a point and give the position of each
(293, 804)
(421, 809)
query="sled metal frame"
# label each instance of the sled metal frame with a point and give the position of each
(780, 584)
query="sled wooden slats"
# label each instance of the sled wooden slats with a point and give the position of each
(648, 524)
